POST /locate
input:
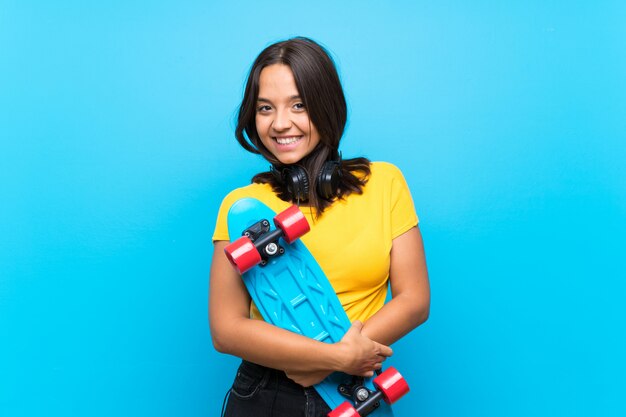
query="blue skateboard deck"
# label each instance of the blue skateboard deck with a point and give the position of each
(292, 292)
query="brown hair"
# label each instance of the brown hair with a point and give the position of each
(319, 87)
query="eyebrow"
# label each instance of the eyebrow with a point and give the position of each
(266, 100)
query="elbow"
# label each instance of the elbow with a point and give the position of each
(221, 339)
(415, 310)
(225, 331)
(218, 343)
(422, 308)
(423, 315)
(420, 313)
(223, 343)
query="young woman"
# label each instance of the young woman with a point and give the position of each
(363, 234)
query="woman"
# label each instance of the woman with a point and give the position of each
(363, 234)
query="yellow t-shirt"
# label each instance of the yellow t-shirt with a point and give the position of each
(351, 241)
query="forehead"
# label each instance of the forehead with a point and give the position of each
(277, 82)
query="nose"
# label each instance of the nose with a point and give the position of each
(282, 121)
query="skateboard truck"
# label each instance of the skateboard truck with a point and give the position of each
(365, 400)
(258, 244)
(390, 387)
(265, 242)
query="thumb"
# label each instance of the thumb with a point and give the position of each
(384, 350)
(356, 326)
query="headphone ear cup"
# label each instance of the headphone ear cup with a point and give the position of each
(328, 179)
(297, 182)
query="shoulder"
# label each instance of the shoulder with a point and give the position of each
(258, 191)
(384, 173)
(262, 192)
(248, 190)
(385, 181)
(384, 169)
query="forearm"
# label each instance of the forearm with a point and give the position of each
(268, 345)
(397, 318)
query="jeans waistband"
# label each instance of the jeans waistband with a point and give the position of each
(268, 375)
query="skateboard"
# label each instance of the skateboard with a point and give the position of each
(291, 291)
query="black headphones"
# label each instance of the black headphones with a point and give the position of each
(296, 180)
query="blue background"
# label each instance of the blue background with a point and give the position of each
(116, 123)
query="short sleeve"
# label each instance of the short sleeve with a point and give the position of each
(221, 224)
(403, 215)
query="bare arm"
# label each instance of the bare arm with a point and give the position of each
(410, 303)
(235, 333)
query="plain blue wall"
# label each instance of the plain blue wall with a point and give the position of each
(508, 120)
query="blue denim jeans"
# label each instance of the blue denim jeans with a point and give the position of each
(264, 392)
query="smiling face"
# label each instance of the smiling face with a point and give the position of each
(282, 121)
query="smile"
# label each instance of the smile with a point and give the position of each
(287, 140)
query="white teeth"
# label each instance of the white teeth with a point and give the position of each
(287, 141)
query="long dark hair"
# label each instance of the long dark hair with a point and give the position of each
(319, 87)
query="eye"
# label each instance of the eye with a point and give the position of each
(299, 106)
(263, 108)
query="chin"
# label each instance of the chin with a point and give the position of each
(289, 161)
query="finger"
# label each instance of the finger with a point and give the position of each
(384, 350)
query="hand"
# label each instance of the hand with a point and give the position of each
(361, 355)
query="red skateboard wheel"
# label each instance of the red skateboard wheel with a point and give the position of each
(391, 384)
(344, 410)
(292, 222)
(242, 254)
